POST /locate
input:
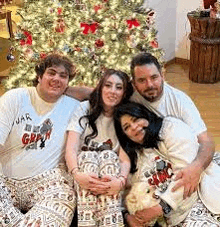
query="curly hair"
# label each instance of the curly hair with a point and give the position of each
(51, 60)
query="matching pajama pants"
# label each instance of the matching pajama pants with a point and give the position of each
(46, 200)
(200, 216)
(101, 210)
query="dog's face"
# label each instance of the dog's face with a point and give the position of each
(141, 196)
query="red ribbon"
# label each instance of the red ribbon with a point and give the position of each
(28, 40)
(133, 22)
(89, 27)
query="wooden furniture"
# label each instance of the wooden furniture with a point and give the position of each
(6, 14)
(204, 49)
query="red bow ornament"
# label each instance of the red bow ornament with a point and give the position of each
(154, 44)
(28, 40)
(89, 27)
(133, 22)
(97, 8)
(59, 11)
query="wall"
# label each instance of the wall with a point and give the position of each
(182, 48)
(173, 26)
(165, 24)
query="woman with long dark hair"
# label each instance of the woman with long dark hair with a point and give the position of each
(158, 147)
(94, 156)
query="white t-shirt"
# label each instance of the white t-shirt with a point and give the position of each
(32, 139)
(105, 127)
(176, 138)
(176, 103)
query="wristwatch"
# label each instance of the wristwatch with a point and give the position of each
(165, 207)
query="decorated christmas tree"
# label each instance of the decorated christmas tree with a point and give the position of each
(95, 34)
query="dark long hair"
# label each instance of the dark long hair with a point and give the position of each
(96, 101)
(151, 138)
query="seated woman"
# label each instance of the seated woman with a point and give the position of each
(94, 156)
(155, 144)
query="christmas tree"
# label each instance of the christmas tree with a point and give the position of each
(95, 34)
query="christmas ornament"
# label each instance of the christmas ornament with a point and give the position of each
(28, 53)
(27, 40)
(89, 28)
(133, 22)
(94, 34)
(60, 25)
(43, 55)
(99, 43)
(154, 44)
(10, 57)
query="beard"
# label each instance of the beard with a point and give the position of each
(157, 93)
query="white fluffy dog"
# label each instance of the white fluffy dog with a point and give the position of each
(142, 196)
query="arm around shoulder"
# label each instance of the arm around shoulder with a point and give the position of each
(79, 93)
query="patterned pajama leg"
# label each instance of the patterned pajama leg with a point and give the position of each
(49, 200)
(99, 210)
(199, 215)
(86, 202)
(110, 207)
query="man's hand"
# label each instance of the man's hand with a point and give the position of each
(189, 178)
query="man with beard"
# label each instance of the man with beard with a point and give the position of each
(153, 92)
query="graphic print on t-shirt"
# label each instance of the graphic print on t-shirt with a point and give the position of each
(160, 174)
(35, 136)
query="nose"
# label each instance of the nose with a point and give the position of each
(113, 89)
(149, 83)
(56, 77)
(133, 126)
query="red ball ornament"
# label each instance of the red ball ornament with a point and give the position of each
(97, 8)
(43, 55)
(99, 43)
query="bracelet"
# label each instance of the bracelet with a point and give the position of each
(125, 178)
(74, 170)
(165, 207)
(122, 181)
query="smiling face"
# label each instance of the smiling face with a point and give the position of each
(134, 127)
(112, 93)
(148, 81)
(53, 83)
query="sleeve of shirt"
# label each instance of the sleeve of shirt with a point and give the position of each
(181, 146)
(9, 105)
(76, 124)
(190, 114)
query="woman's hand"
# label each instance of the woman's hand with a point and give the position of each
(132, 221)
(145, 216)
(91, 182)
(115, 184)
